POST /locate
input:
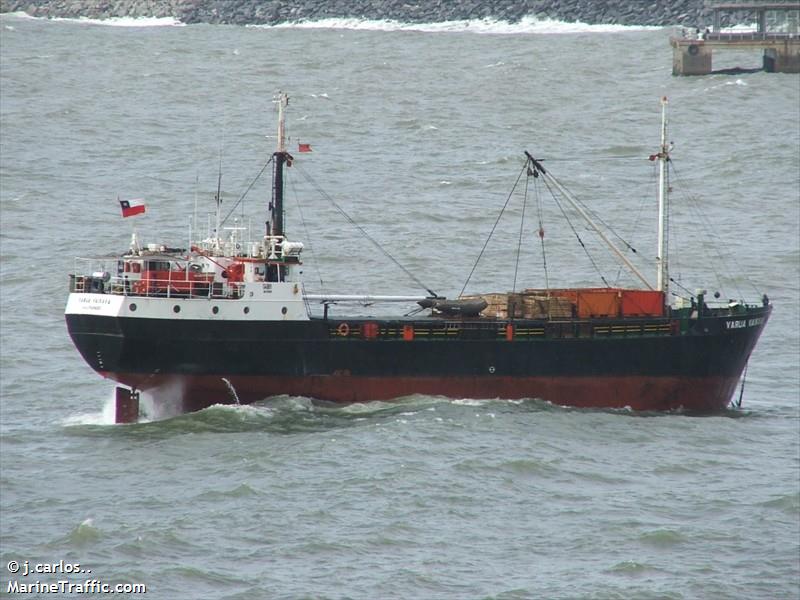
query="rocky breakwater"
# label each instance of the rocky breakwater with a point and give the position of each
(242, 12)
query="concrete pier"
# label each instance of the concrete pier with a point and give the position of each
(691, 58)
(777, 34)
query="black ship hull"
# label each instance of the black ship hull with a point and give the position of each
(649, 364)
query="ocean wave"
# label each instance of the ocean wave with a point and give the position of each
(631, 567)
(84, 534)
(527, 25)
(662, 538)
(113, 21)
(790, 503)
(243, 490)
(294, 414)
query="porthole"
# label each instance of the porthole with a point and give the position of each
(284, 310)
(176, 309)
(215, 310)
(246, 309)
(133, 307)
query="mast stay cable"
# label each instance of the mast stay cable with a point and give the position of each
(570, 196)
(541, 226)
(249, 187)
(572, 227)
(694, 205)
(549, 179)
(307, 234)
(361, 230)
(519, 242)
(491, 233)
(635, 227)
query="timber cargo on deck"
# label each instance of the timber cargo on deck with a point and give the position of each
(228, 319)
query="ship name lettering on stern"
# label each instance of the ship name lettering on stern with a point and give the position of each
(96, 300)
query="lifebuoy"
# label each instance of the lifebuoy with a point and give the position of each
(343, 329)
(693, 50)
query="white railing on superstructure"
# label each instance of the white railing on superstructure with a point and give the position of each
(95, 276)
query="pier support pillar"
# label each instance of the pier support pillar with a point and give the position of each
(691, 59)
(126, 406)
(782, 60)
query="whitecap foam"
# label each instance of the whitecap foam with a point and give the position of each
(85, 533)
(17, 15)
(170, 401)
(470, 402)
(363, 407)
(125, 21)
(169, 405)
(106, 415)
(291, 403)
(526, 25)
(243, 410)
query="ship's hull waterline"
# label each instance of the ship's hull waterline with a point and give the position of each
(649, 365)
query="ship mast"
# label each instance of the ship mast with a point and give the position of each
(280, 158)
(218, 198)
(662, 283)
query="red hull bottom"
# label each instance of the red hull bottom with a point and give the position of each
(641, 393)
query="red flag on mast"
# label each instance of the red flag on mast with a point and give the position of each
(303, 147)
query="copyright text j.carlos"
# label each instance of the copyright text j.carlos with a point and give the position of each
(63, 585)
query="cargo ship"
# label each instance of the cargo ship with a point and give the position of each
(229, 320)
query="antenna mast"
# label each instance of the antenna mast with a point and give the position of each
(218, 198)
(662, 283)
(280, 157)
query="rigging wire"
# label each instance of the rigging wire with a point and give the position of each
(572, 227)
(681, 286)
(579, 207)
(252, 183)
(717, 259)
(593, 214)
(674, 259)
(361, 230)
(694, 205)
(307, 234)
(636, 221)
(596, 157)
(540, 212)
(521, 226)
(491, 233)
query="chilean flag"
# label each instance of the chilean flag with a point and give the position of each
(132, 207)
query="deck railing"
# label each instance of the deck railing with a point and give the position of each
(102, 283)
(685, 34)
(748, 36)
